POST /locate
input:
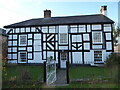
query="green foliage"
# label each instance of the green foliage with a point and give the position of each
(113, 60)
(115, 34)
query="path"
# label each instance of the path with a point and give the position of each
(61, 78)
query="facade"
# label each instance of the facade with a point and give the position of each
(85, 39)
(3, 44)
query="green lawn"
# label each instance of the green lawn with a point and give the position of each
(12, 75)
(88, 72)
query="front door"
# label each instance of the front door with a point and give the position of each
(63, 59)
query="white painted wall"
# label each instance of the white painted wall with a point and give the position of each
(107, 27)
(96, 27)
(63, 29)
(77, 57)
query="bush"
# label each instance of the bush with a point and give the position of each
(113, 60)
(113, 63)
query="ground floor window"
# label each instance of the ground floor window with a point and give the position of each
(97, 55)
(23, 56)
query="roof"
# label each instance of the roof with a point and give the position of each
(82, 19)
(3, 32)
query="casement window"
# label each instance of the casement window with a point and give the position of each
(23, 56)
(23, 40)
(63, 56)
(63, 38)
(97, 55)
(97, 37)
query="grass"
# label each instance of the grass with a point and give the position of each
(12, 75)
(36, 73)
(88, 72)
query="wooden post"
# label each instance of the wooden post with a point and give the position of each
(67, 71)
(44, 70)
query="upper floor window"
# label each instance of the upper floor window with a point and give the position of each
(23, 40)
(63, 38)
(97, 37)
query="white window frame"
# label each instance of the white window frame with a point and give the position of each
(64, 41)
(101, 37)
(23, 52)
(22, 44)
(100, 55)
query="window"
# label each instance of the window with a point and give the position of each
(23, 56)
(97, 37)
(63, 38)
(97, 55)
(23, 39)
(63, 56)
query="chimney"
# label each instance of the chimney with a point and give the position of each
(103, 10)
(47, 13)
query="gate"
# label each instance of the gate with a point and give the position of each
(50, 71)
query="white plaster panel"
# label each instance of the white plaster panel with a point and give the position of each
(14, 36)
(86, 37)
(29, 35)
(9, 49)
(32, 29)
(108, 36)
(82, 28)
(104, 55)
(45, 29)
(29, 55)
(73, 30)
(107, 27)
(88, 28)
(44, 37)
(79, 38)
(51, 29)
(14, 43)
(29, 49)
(77, 57)
(44, 54)
(86, 45)
(13, 61)
(10, 37)
(109, 45)
(63, 47)
(44, 45)
(22, 29)
(37, 58)
(88, 57)
(21, 48)
(97, 46)
(63, 29)
(73, 25)
(17, 30)
(14, 56)
(9, 56)
(37, 48)
(96, 27)
(14, 49)
(74, 38)
(29, 42)
(9, 43)
(27, 29)
(50, 54)
(37, 36)
(37, 42)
